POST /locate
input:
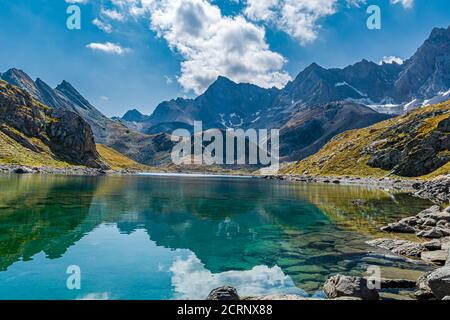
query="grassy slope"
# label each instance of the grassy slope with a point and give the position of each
(343, 156)
(13, 153)
(118, 161)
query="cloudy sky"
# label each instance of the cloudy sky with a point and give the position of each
(137, 53)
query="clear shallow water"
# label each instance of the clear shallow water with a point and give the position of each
(177, 238)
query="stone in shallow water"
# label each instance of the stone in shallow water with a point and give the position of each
(399, 227)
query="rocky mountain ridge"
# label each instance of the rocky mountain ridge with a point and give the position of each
(62, 134)
(388, 88)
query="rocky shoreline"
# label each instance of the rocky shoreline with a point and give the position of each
(437, 190)
(69, 171)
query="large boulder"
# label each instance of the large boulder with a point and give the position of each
(223, 294)
(346, 286)
(439, 282)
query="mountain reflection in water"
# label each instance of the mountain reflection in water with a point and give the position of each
(142, 237)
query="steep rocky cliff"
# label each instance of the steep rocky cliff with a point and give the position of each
(60, 135)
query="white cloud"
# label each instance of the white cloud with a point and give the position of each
(106, 27)
(77, 1)
(298, 18)
(113, 14)
(108, 47)
(405, 3)
(168, 79)
(391, 59)
(212, 45)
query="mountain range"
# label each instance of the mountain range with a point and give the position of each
(385, 87)
(310, 110)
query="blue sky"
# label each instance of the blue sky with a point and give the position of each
(137, 53)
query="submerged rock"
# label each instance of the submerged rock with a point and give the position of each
(346, 286)
(397, 284)
(399, 227)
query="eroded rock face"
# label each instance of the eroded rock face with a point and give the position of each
(223, 294)
(416, 155)
(67, 135)
(346, 286)
(72, 139)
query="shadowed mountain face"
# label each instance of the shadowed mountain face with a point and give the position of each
(309, 129)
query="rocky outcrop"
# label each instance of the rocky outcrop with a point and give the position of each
(432, 223)
(223, 294)
(406, 152)
(436, 190)
(65, 133)
(71, 138)
(346, 286)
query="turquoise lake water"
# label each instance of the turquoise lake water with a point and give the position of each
(143, 237)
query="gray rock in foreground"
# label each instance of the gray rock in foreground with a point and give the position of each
(225, 293)
(346, 286)
(439, 282)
